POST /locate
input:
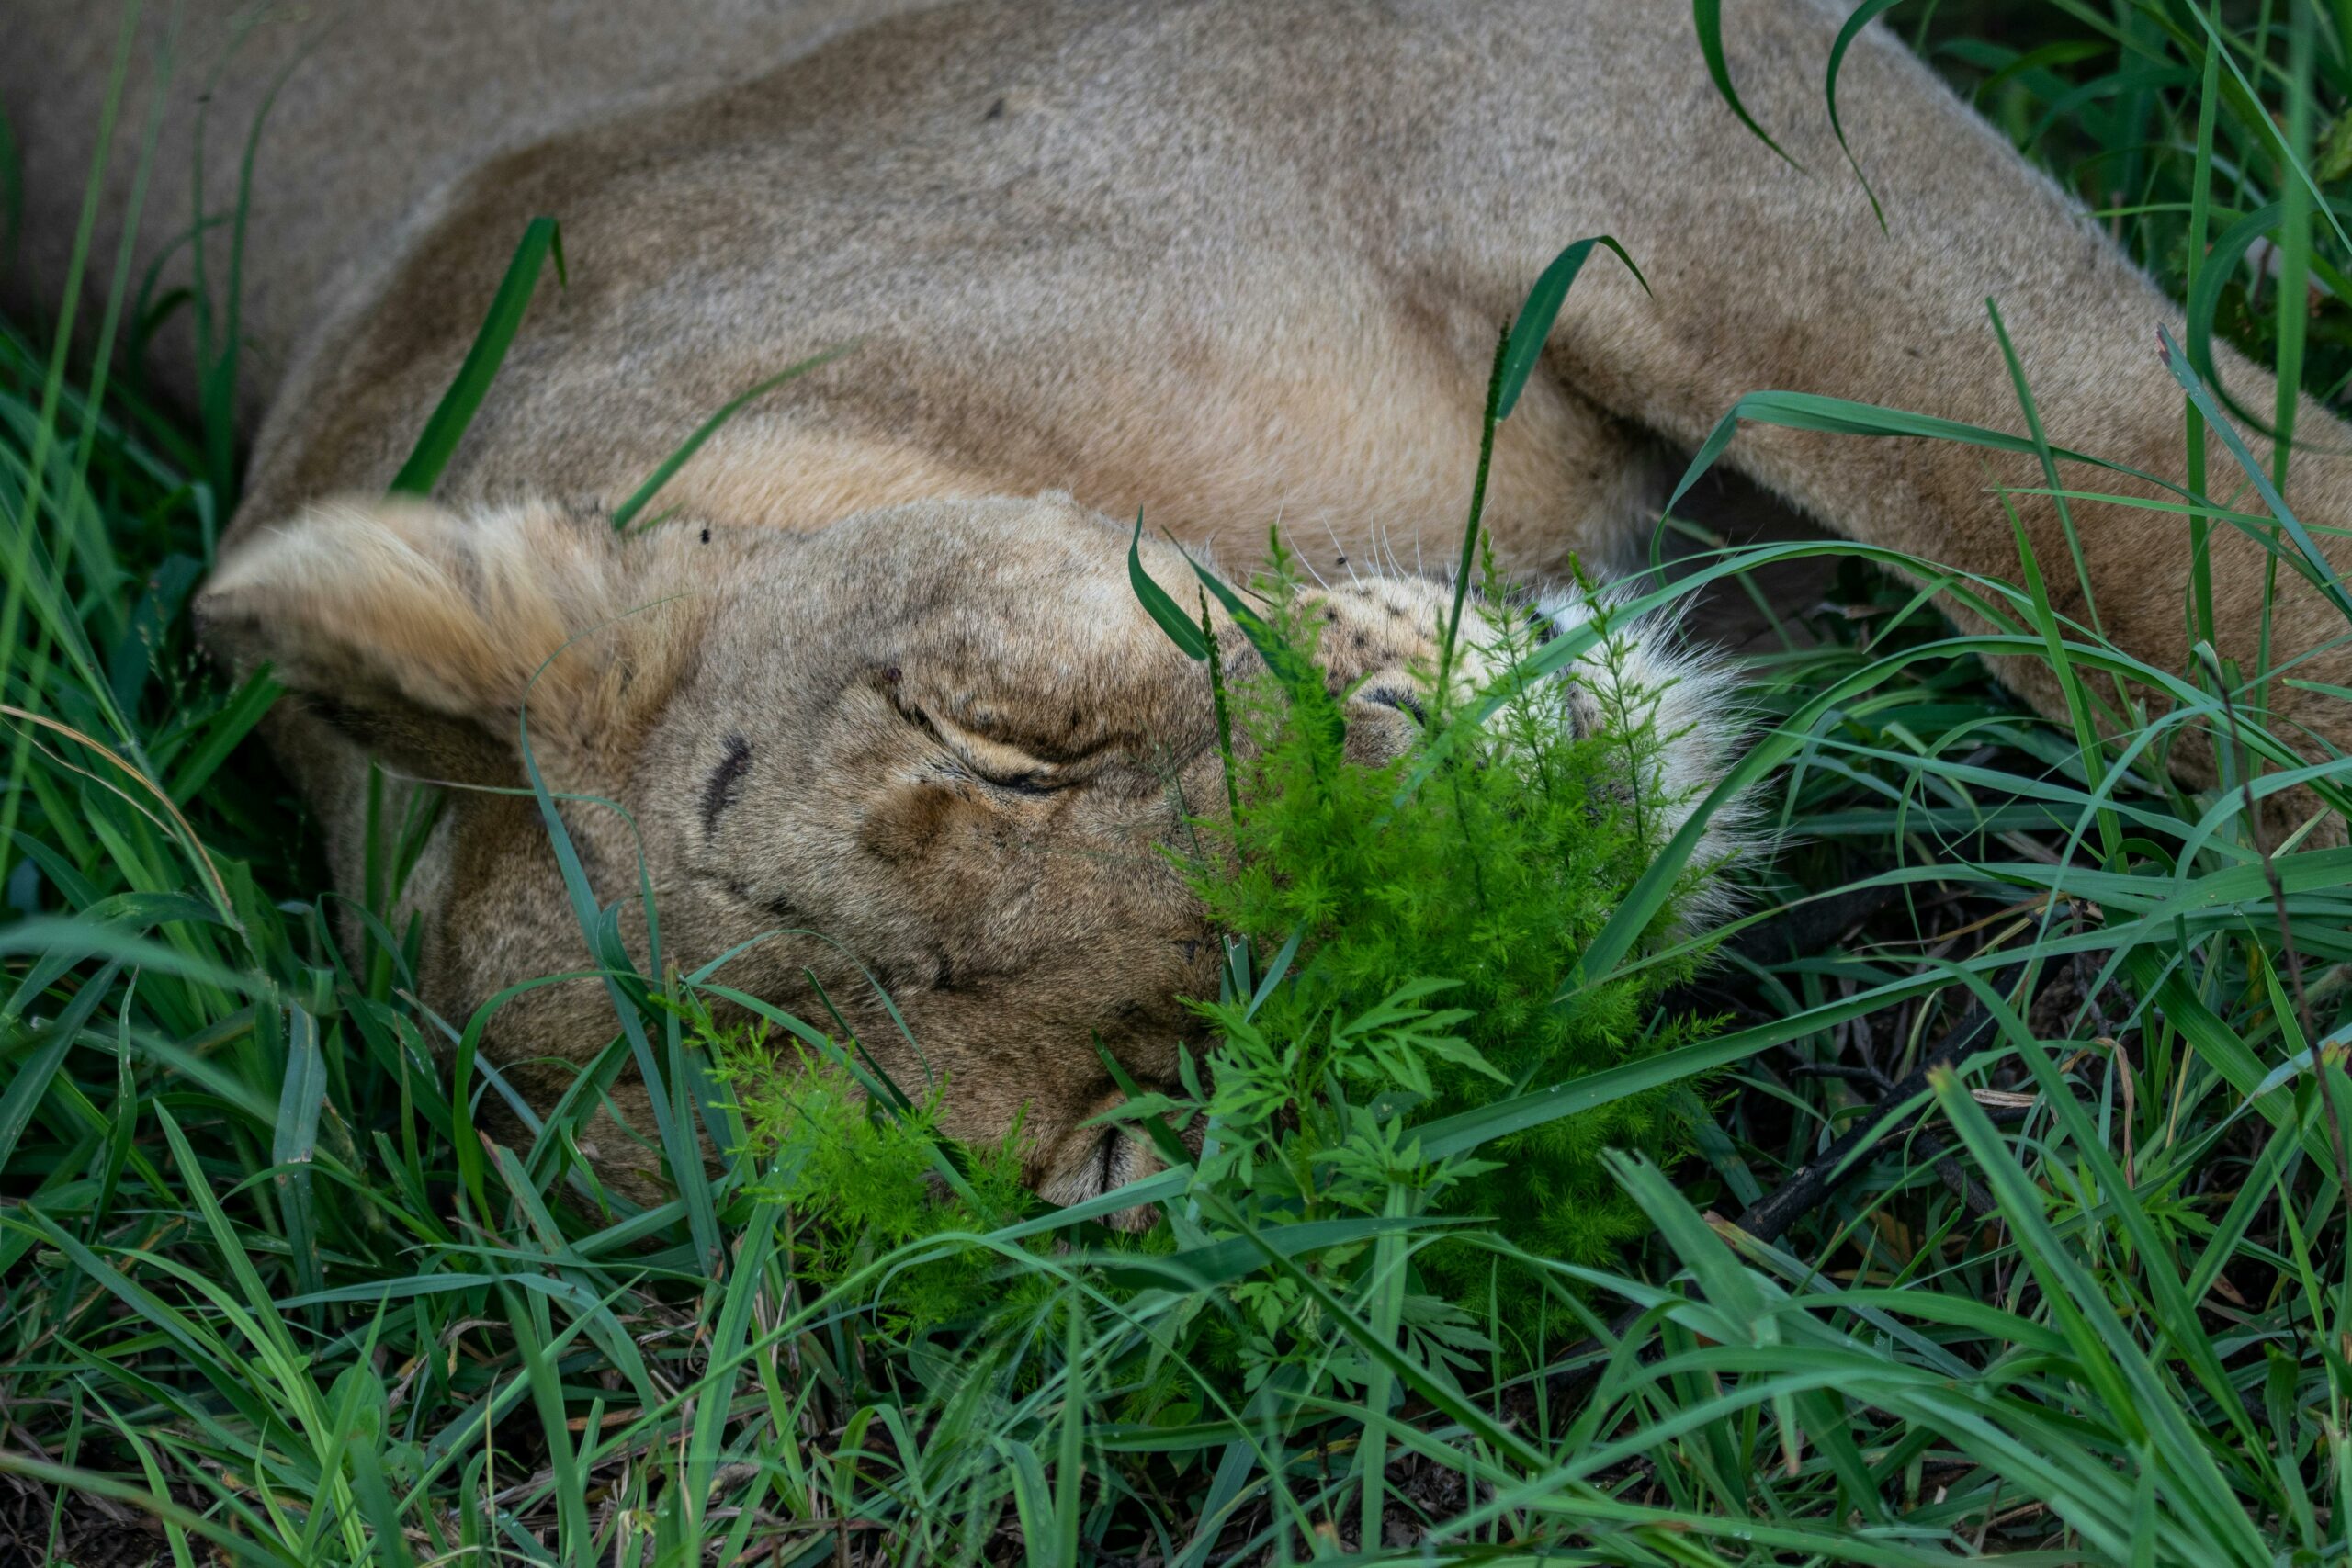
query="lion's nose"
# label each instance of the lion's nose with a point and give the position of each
(1113, 1159)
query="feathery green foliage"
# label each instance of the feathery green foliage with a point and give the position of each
(1471, 875)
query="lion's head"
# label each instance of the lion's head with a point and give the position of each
(936, 752)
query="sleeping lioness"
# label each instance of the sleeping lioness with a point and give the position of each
(878, 671)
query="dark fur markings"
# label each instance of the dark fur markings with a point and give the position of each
(719, 793)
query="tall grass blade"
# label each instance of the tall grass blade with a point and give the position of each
(437, 442)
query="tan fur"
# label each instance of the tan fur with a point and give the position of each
(936, 752)
(460, 616)
(1223, 260)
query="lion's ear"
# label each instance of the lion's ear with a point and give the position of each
(421, 631)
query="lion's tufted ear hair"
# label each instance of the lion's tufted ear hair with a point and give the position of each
(421, 631)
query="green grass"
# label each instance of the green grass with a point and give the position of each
(2086, 1301)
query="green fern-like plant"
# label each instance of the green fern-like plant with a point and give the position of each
(861, 1179)
(1474, 890)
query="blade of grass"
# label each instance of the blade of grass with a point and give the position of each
(437, 442)
(624, 515)
(1706, 16)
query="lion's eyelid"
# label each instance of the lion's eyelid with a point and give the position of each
(991, 761)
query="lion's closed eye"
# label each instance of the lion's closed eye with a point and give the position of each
(994, 763)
